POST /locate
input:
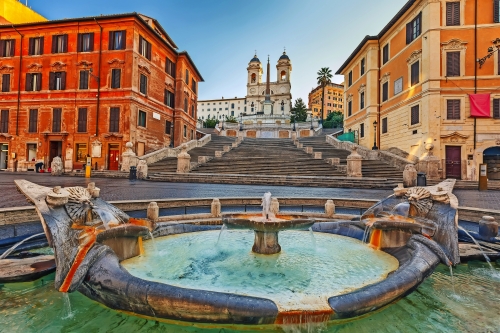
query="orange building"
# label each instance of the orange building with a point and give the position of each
(334, 96)
(408, 87)
(86, 86)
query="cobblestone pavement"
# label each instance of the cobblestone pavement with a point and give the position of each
(123, 189)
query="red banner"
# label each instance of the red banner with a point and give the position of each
(480, 105)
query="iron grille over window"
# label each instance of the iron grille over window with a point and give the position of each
(384, 125)
(114, 119)
(33, 81)
(82, 120)
(453, 63)
(35, 46)
(33, 121)
(4, 121)
(415, 115)
(413, 29)
(415, 73)
(453, 13)
(59, 43)
(453, 109)
(56, 120)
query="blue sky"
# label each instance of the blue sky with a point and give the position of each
(221, 35)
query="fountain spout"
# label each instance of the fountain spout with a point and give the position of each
(266, 205)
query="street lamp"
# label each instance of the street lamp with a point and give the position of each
(491, 51)
(375, 136)
(241, 122)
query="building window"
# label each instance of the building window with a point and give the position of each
(414, 115)
(362, 130)
(349, 79)
(141, 120)
(81, 152)
(186, 105)
(33, 81)
(193, 85)
(56, 120)
(187, 76)
(114, 120)
(86, 42)
(453, 63)
(385, 54)
(7, 47)
(362, 66)
(349, 108)
(185, 130)
(496, 108)
(168, 126)
(82, 120)
(385, 91)
(59, 43)
(117, 40)
(116, 74)
(144, 84)
(4, 121)
(144, 48)
(453, 13)
(35, 46)
(453, 109)
(384, 125)
(415, 73)
(496, 11)
(362, 100)
(57, 80)
(169, 99)
(33, 121)
(84, 80)
(5, 82)
(192, 111)
(170, 67)
(398, 86)
(413, 29)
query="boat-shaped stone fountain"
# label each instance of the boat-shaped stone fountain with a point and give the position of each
(413, 230)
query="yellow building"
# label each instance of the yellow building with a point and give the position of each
(409, 86)
(13, 11)
(334, 99)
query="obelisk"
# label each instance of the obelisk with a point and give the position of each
(268, 105)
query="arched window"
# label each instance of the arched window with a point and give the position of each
(254, 78)
(283, 76)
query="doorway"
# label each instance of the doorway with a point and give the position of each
(114, 156)
(55, 149)
(4, 156)
(454, 162)
(491, 156)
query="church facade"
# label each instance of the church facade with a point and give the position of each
(262, 98)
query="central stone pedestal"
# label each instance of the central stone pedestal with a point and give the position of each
(266, 242)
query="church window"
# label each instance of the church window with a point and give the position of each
(254, 78)
(283, 76)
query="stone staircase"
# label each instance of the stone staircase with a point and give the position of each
(278, 157)
(169, 164)
(370, 168)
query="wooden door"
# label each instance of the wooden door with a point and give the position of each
(454, 162)
(55, 150)
(114, 155)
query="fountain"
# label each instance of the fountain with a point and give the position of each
(99, 252)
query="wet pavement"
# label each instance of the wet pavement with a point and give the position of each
(124, 189)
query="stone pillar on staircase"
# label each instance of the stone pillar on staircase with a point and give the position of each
(329, 208)
(142, 169)
(128, 157)
(153, 212)
(430, 164)
(183, 161)
(410, 176)
(215, 208)
(354, 164)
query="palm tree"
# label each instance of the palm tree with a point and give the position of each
(324, 78)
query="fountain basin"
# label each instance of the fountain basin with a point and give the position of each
(266, 229)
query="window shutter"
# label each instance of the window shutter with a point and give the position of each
(496, 108)
(13, 48)
(65, 43)
(52, 80)
(496, 11)
(449, 13)
(148, 51)
(124, 40)
(174, 71)
(453, 64)
(82, 79)
(79, 43)
(31, 46)
(409, 33)
(2, 48)
(29, 82)
(63, 80)
(453, 109)
(41, 45)
(91, 42)
(38, 82)
(385, 91)
(54, 43)
(141, 40)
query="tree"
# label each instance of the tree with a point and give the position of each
(324, 78)
(210, 123)
(334, 119)
(299, 111)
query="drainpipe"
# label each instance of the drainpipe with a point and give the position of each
(98, 81)
(475, 67)
(19, 81)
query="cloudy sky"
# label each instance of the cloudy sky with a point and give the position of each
(222, 35)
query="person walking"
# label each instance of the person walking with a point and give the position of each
(38, 165)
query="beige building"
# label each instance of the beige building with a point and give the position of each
(408, 87)
(334, 99)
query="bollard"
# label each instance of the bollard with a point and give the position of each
(153, 212)
(132, 173)
(215, 208)
(329, 208)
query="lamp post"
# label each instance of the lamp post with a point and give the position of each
(375, 136)
(491, 51)
(293, 113)
(241, 122)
